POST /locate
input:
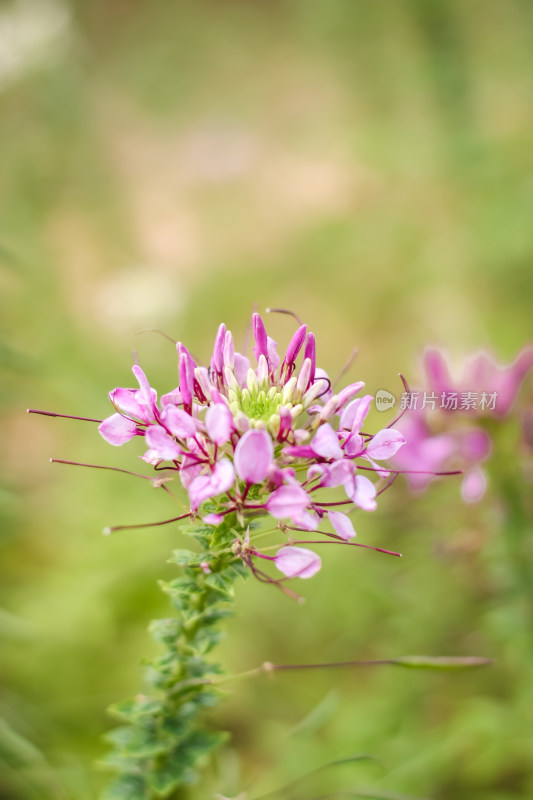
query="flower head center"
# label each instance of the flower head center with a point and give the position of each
(259, 404)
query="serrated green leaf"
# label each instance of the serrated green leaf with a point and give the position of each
(202, 742)
(183, 585)
(169, 778)
(118, 762)
(221, 582)
(213, 615)
(166, 631)
(196, 529)
(127, 787)
(136, 742)
(136, 708)
(186, 558)
(222, 537)
(177, 768)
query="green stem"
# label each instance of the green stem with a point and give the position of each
(165, 737)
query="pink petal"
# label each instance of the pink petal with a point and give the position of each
(337, 473)
(295, 345)
(364, 494)
(475, 445)
(149, 394)
(203, 386)
(217, 359)
(385, 444)
(273, 358)
(217, 482)
(125, 402)
(474, 485)
(190, 469)
(383, 473)
(117, 429)
(275, 476)
(354, 445)
(223, 475)
(437, 371)
(172, 398)
(511, 379)
(219, 423)
(348, 392)
(325, 442)
(287, 501)
(355, 412)
(310, 353)
(178, 422)
(304, 376)
(260, 336)
(285, 424)
(213, 519)
(297, 562)
(229, 351)
(242, 365)
(186, 372)
(299, 451)
(161, 443)
(253, 456)
(316, 471)
(306, 520)
(342, 524)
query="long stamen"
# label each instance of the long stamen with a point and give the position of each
(114, 528)
(406, 389)
(65, 416)
(337, 503)
(248, 330)
(284, 311)
(161, 333)
(328, 387)
(411, 471)
(264, 578)
(346, 367)
(324, 533)
(350, 544)
(100, 466)
(388, 484)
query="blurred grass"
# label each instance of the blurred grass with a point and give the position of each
(166, 165)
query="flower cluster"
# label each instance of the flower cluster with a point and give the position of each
(434, 442)
(261, 439)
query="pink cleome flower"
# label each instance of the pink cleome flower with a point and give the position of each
(260, 440)
(434, 443)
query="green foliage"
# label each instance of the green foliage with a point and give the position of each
(165, 737)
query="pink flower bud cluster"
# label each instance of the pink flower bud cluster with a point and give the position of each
(262, 439)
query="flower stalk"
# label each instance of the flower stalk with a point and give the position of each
(164, 736)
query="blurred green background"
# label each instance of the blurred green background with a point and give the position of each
(166, 165)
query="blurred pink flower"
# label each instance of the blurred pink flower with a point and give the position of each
(481, 374)
(425, 454)
(426, 451)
